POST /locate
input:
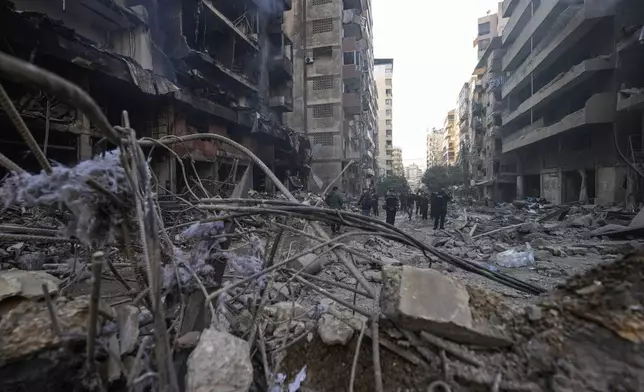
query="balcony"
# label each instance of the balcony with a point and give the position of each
(351, 103)
(557, 87)
(281, 56)
(599, 109)
(632, 101)
(508, 7)
(351, 72)
(242, 27)
(495, 61)
(542, 22)
(522, 13)
(283, 103)
(541, 58)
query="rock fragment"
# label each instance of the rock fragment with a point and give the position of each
(220, 363)
(333, 331)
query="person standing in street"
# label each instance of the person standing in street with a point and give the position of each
(419, 195)
(423, 204)
(365, 202)
(439, 209)
(391, 205)
(411, 199)
(403, 201)
(374, 200)
(334, 200)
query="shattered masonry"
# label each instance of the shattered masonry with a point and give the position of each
(178, 67)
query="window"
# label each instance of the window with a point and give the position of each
(321, 2)
(389, 122)
(389, 144)
(323, 111)
(324, 138)
(389, 163)
(484, 28)
(321, 26)
(325, 52)
(389, 133)
(388, 112)
(388, 101)
(351, 58)
(388, 92)
(388, 82)
(323, 83)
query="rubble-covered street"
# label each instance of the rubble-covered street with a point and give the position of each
(199, 196)
(103, 289)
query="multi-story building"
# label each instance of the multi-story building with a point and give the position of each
(414, 175)
(435, 147)
(384, 70)
(488, 28)
(560, 117)
(451, 139)
(334, 89)
(397, 162)
(177, 67)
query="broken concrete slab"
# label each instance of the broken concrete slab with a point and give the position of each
(32, 261)
(638, 221)
(542, 255)
(333, 331)
(424, 299)
(26, 284)
(220, 363)
(373, 276)
(584, 221)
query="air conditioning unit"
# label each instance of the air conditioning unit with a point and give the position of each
(308, 60)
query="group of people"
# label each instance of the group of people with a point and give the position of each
(406, 202)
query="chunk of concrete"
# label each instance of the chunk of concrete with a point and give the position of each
(309, 263)
(584, 221)
(542, 255)
(424, 299)
(26, 284)
(220, 363)
(333, 331)
(127, 319)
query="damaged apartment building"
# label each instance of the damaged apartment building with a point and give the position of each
(178, 67)
(561, 96)
(334, 88)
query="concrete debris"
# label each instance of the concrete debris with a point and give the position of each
(584, 221)
(220, 363)
(333, 331)
(534, 312)
(127, 319)
(424, 299)
(310, 263)
(26, 284)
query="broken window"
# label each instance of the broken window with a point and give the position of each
(324, 52)
(389, 133)
(323, 138)
(323, 111)
(387, 82)
(388, 92)
(321, 2)
(321, 26)
(388, 101)
(323, 83)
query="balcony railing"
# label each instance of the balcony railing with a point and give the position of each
(282, 101)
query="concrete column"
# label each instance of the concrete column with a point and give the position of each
(165, 171)
(520, 188)
(84, 146)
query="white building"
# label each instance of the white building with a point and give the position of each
(383, 74)
(414, 175)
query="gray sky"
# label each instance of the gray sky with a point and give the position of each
(431, 43)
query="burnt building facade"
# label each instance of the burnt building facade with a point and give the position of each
(179, 67)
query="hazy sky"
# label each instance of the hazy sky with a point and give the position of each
(431, 44)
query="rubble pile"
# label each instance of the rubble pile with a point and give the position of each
(105, 285)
